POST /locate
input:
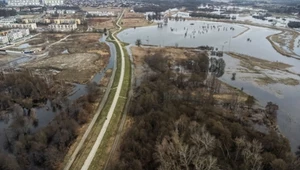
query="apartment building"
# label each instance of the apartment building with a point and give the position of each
(31, 26)
(62, 27)
(66, 21)
(101, 13)
(3, 39)
(35, 2)
(52, 20)
(23, 2)
(12, 35)
(53, 2)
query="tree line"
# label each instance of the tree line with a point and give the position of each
(208, 15)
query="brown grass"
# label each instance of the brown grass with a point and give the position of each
(86, 57)
(278, 38)
(250, 62)
(102, 22)
(268, 80)
(135, 22)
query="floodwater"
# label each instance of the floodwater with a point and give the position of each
(287, 97)
(46, 114)
(25, 45)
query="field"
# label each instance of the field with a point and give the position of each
(101, 22)
(75, 59)
(108, 9)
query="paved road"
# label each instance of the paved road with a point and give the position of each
(96, 145)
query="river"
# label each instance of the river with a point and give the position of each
(230, 37)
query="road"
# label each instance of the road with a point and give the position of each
(109, 115)
(94, 149)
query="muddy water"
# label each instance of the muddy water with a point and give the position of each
(287, 97)
(46, 114)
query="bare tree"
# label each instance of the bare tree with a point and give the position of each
(175, 153)
(250, 152)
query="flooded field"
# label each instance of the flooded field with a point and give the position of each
(248, 40)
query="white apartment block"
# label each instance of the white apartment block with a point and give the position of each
(23, 2)
(62, 27)
(31, 26)
(3, 39)
(12, 35)
(53, 2)
(101, 13)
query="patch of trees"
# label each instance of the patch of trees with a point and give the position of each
(7, 13)
(294, 24)
(169, 133)
(44, 148)
(23, 88)
(150, 8)
(208, 15)
(77, 8)
(156, 16)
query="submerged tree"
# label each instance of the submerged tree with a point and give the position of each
(217, 67)
(138, 42)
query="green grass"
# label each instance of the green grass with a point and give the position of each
(105, 147)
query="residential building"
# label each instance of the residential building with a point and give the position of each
(101, 13)
(3, 39)
(66, 21)
(52, 20)
(53, 2)
(23, 2)
(31, 26)
(62, 27)
(12, 35)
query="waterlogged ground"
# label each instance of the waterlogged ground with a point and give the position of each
(265, 84)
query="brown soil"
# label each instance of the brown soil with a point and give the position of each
(109, 9)
(128, 14)
(86, 57)
(72, 67)
(101, 22)
(177, 53)
(135, 22)
(80, 43)
(6, 58)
